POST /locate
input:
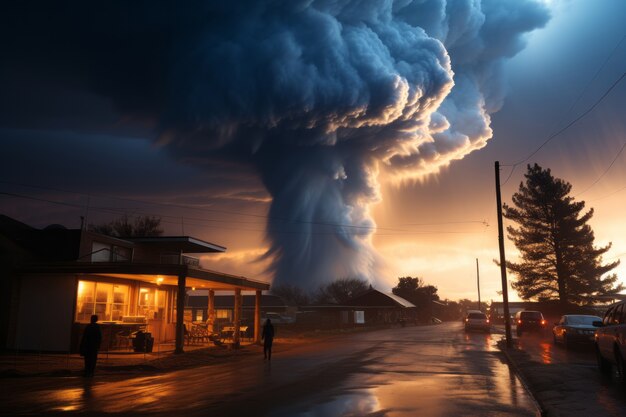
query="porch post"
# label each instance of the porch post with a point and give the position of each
(180, 314)
(257, 317)
(211, 311)
(237, 318)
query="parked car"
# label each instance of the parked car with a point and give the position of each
(477, 320)
(529, 321)
(574, 328)
(279, 318)
(610, 340)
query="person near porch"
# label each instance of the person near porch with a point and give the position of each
(268, 338)
(89, 345)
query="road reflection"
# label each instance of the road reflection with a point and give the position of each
(429, 372)
(546, 352)
(439, 389)
(357, 403)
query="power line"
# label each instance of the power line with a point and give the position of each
(582, 93)
(604, 173)
(584, 90)
(615, 256)
(269, 219)
(610, 194)
(570, 124)
(375, 230)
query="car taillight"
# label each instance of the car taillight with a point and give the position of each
(487, 320)
(543, 322)
(466, 320)
(519, 322)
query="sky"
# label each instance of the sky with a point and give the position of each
(316, 140)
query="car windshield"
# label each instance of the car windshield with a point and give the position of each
(588, 320)
(531, 315)
(476, 316)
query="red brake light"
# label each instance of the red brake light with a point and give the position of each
(487, 320)
(519, 322)
(543, 322)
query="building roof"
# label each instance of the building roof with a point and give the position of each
(403, 302)
(166, 274)
(376, 298)
(185, 244)
(54, 243)
(55, 250)
(514, 304)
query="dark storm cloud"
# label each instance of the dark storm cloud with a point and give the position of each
(317, 96)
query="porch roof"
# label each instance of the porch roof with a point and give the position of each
(186, 244)
(165, 274)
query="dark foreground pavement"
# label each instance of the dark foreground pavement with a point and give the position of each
(425, 371)
(566, 382)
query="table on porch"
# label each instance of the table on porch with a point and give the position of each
(229, 331)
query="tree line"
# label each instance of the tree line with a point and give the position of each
(413, 289)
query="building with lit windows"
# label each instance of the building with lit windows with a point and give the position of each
(53, 279)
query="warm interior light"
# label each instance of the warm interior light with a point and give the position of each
(81, 287)
(159, 280)
(143, 290)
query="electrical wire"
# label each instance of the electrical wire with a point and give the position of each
(269, 219)
(570, 124)
(604, 173)
(582, 93)
(372, 229)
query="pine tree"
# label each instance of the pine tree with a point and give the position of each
(558, 256)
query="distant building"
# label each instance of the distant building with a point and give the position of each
(370, 307)
(53, 279)
(383, 307)
(496, 309)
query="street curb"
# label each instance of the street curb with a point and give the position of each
(542, 412)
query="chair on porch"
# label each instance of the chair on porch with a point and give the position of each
(197, 334)
(123, 339)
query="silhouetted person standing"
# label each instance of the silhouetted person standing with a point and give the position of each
(89, 345)
(268, 338)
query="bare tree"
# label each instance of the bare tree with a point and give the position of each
(140, 226)
(291, 294)
(340, 291)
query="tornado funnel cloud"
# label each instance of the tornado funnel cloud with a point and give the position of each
(319, 226)
(314, 97)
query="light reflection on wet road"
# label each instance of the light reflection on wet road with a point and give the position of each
(426, 371)
(567, 380)
(435, 373)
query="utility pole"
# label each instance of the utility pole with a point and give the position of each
(505, 292)
(478, 283)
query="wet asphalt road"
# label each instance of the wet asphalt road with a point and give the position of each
(413, 371)
(566, 381)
